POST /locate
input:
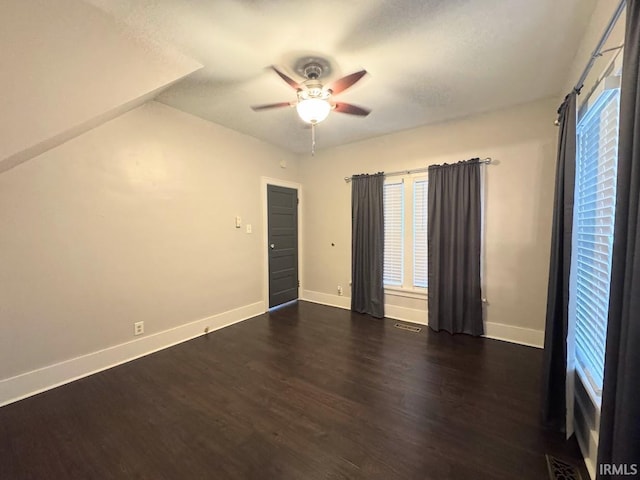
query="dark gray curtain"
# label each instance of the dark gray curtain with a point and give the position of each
(367, 244)
(454, 233)
(620, 415)
(555, 336)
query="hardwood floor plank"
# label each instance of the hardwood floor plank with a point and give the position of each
(304, 392)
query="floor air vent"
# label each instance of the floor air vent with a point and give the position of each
(561, 470)
(407, 327)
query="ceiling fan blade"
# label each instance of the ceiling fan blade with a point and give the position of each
(257, 108)
(351, 109)
(287, 79)
(343, 83)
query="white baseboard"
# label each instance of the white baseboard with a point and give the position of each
(497, 331)
(30, 383)
(327, 299)
(519, 335)
(395, 312)
(411, 315)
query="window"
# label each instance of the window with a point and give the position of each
(593, 221)
(393, 204)
(420, 233)
(405, 253)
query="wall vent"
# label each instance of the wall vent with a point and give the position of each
(410, 328)
(561, 470)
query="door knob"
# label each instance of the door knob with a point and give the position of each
(272, 246)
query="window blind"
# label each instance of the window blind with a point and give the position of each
(594, 213)
(393, 204)
(420, 233)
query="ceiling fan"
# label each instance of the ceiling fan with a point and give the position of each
(315, 100)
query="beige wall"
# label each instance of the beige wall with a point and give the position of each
(518, 207)
(67, 66)
(132, 221)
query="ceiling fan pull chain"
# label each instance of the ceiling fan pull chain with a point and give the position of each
(313, 139)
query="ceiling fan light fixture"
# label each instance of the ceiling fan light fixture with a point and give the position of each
(313, 110)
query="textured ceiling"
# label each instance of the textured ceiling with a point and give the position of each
(428, 60)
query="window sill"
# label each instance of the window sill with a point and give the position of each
(595, 398)
(419, 294)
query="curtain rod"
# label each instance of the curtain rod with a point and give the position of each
(486, 161)
(596, 52)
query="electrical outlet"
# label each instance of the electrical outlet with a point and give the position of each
(249, 228)
(339, 290)
(138, 328)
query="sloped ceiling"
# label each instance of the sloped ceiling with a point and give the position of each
(428, 60)
(66, 67)
(71, 64)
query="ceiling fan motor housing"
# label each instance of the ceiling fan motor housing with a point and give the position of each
(313, 71)
(312, 68)
(313, 89)
(313, 98)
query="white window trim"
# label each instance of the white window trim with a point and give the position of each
(585, 377)
(417, 292)
(415, 180)
(614, 67)
(587, 383)
(406, 289)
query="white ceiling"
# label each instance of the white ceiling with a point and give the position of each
(428, 60)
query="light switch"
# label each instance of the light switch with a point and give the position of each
(238, 221)
(248, 228)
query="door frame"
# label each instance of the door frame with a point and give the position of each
(264, 181)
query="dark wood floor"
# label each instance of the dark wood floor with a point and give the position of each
(307, 392)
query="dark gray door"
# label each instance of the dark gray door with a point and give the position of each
(282, 207)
